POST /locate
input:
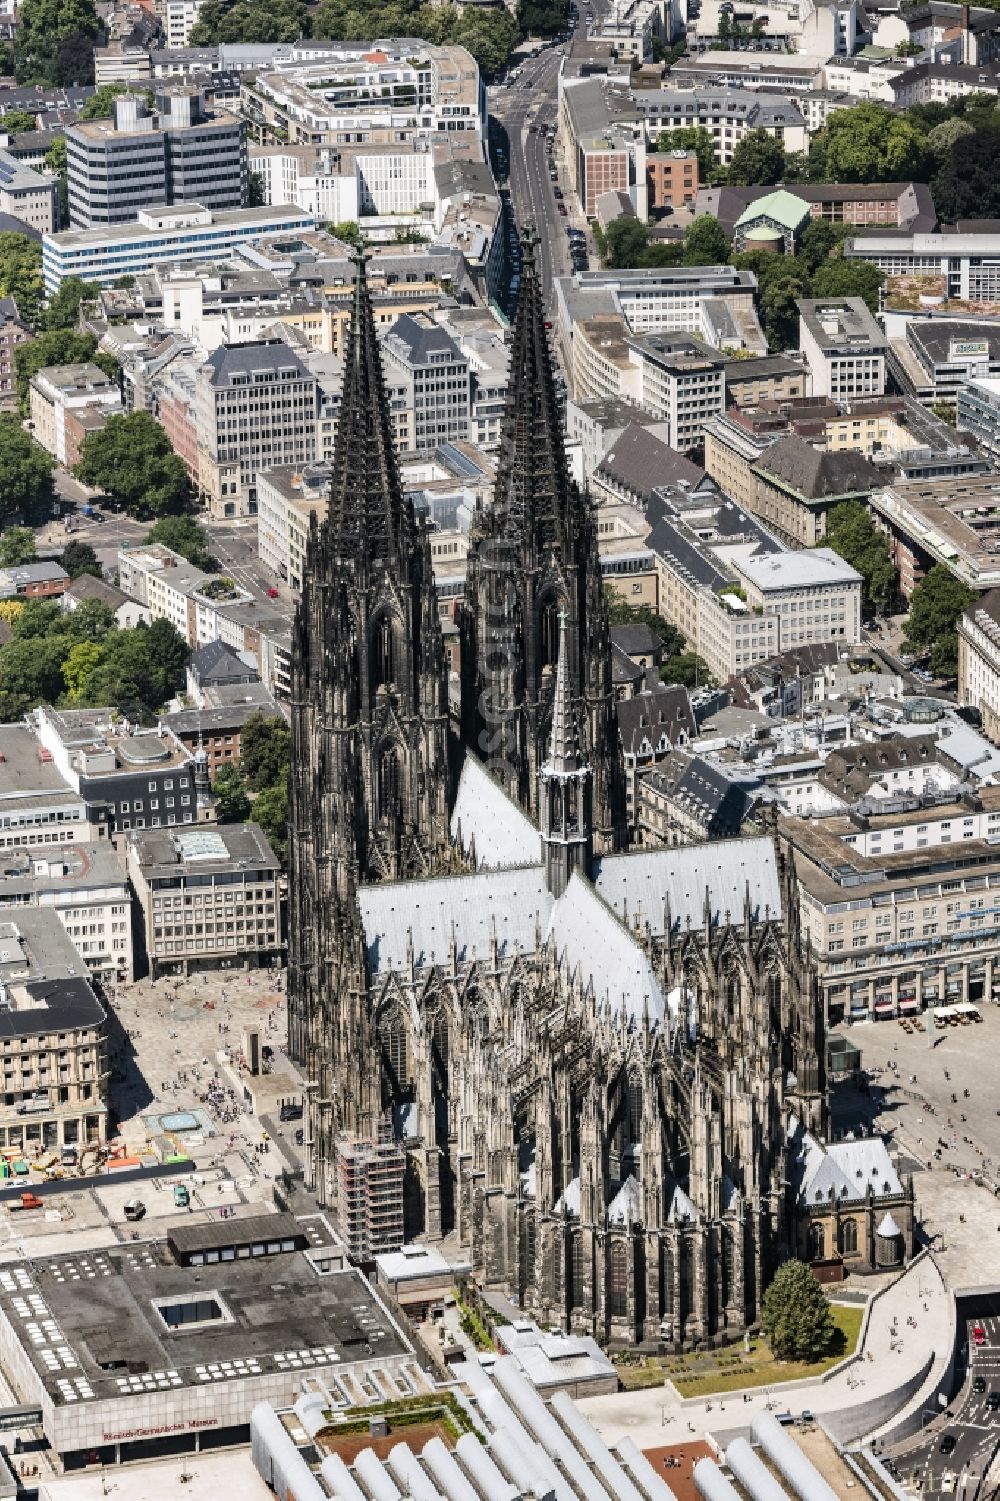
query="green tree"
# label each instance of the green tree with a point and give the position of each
(758, 160)
(17, 546)
(63, 310)
(688, 669)
(941, 138)
(265, 750)
(184, 535)
(30, 674)
(347, 230)
(15, 121)
(620, 612)
(935, 606)
(249, 21)
(490, 35)
(795, 1315)
(132, 460)
(55, 41)
(623, 243)
(56, 163)
(80, 665)
(57, 346)
(78, 558)
(542, 17)
(705, 242)
(255, 189)
(840, 278)
(229, 788)
(691, 138)
(852, 533)
(781, 282)
(25, 473)
(818, 241)
(100, 105)
(270, 810)
(871, 143)
(21, 272)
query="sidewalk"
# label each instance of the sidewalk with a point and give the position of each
(884, 1363)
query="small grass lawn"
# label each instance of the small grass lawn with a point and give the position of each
(733, 1369)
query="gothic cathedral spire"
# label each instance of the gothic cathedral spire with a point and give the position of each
(371, 773)
(532, 556)
(564, 794)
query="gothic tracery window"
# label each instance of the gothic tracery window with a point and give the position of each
(394, 1051)
(388, 782)
(548, 634)
(382, 653)
(817, 1242)
(618, 1281)
(849, 1238)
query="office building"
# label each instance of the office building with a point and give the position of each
(53, 1040)
(844, 348)
(28, 195)
(978, 412)
(671, 180)
(185, 235)
(13, 331)
(38, 804)
(681, 381)
(966, 260)
(209, 898)
(432, 374)
(936, 359)
(979, 661)
(139, 159)
(897, 906)
(954, 521)
(728, 114)
(128, 778)
(86, 886)
(256, 409)
(358, 95)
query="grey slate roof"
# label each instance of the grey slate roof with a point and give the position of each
(651, 723)
(423, 339)
(636, 640)
(799, 467)
(639, 461)
(720, 803)
(219, 663)
(230, 360)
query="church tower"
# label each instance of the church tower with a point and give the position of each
(371, 779)
(532, 557)
(564, 795)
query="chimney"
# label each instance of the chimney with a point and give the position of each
(967, 57)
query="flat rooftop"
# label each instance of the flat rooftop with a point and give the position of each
(25, 771)
(59, 867)
(954, 520)
(127, 1321)
(173, 852)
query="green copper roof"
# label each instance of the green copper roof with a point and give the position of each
(781, 206)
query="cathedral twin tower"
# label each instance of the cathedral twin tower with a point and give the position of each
(471, 956)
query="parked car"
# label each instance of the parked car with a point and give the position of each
(979, 1384)
(134, 1210)
(947, 1444)
(993, 1401)
(978, 1334)
(291, 1111)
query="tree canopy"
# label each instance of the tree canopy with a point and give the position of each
(25, 473)
(870, 143)
(82, 658)
(265, 750)
(620, 612)
(795, 1315)
(932, 626)
(758, 160)
(21, 272)
(17, 546)
(17, 120)
(131, 459)
(63, 309)
(230, 788)
(57, 346)
(184, 535)
(852, 533)
(55, 41)
(100, 104)
(78, 558)
(249, 21)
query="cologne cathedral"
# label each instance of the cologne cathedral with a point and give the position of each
(591, 1056)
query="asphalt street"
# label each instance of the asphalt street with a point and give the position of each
(943, 1472)
(533, 101)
